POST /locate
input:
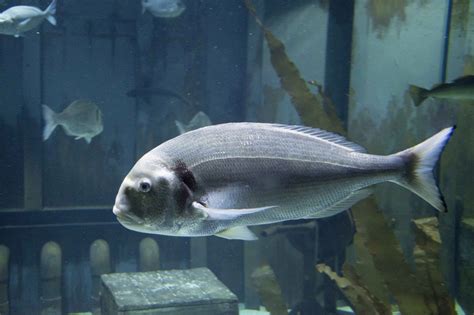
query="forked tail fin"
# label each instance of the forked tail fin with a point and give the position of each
(418, 94)
(51, 11)
(421, 159)
(49, 117)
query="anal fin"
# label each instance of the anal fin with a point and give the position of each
(237, 233)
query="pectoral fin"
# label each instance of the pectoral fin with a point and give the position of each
(237, 233)
(225, 214)
(24, 23)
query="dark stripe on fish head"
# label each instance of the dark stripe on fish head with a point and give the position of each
(185, 195)
(185, 175)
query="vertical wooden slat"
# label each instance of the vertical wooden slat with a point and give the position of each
(51, 271)
(252, 260)
(198, 252)
(224, 258)
(149, 252)
(143, 73)
(226, 27)
(4, 273)
(456, 170)
(32, 144)
(94, 64)
(11, 139)
(99, 254)
(254, 101)
(254, 84)
(338, 54)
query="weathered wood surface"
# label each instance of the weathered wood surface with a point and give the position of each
(302, 27)
(99, 255)
(51, 279)
(11, 127)
(75, 240)
(32, 55)
(149, 255)
(4, 277)
(192, 291)
(87, 57)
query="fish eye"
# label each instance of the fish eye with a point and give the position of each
(144, 185)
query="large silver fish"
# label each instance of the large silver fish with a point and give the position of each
(20, 19)
(218, 180)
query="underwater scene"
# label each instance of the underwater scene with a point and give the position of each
(253, 157)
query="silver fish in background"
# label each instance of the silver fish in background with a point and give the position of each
(461, 89)
(20, 19)
(199, 120)
(81, 119)
(163, 8)
(218, 180)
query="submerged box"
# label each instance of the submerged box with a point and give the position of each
(185, 292)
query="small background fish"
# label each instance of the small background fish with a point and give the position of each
(20, 19)
(199, 120)
(81, 119)
(461, 89)
(163, 8)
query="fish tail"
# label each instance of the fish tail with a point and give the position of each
(51, 11)
(418, 94)
(50, 123)
(420, 161)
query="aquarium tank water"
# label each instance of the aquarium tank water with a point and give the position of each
(232, 157)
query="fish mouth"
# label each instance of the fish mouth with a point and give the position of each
(126, 217)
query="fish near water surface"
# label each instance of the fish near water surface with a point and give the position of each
(82, 119)
(20, 19)
(219, 179)
(163, 8)
(461, 89)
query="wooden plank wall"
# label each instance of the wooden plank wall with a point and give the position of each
(457, 167)
(302, 26)
(25, 245)
(100, 50)
(11, 127)
(90, 55)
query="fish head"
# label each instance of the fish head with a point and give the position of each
(153, 199)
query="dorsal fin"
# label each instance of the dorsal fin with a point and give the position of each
(324, 135)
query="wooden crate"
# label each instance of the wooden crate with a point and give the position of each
(185, 292)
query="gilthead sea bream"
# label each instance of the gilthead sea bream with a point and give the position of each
(219, 179)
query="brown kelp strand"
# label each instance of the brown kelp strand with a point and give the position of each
(388, 259)
(310, 107)
(427, 262)
(358, 295)
(269, 291)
